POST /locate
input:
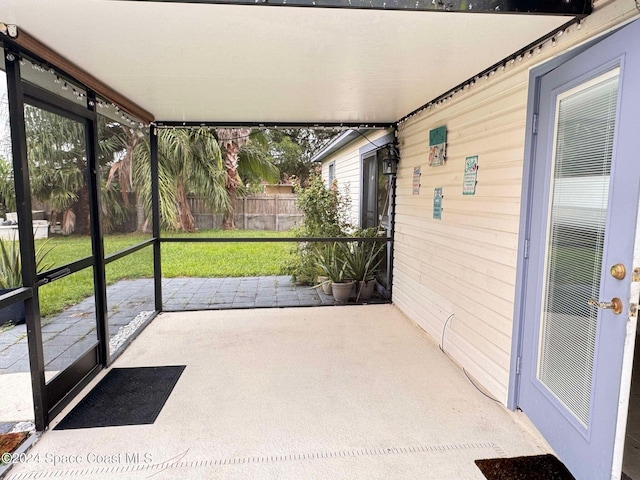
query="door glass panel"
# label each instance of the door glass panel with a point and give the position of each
(10, 273)
(15, 381)
(585, 123)
(68, 313)
(383, 196)
(56, 149)
(369, 192)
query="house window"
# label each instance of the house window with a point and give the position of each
(332, 173)
(375, 193)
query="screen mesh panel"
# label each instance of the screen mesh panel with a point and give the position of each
(585, 123)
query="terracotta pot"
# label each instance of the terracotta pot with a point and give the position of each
(341, 291)
(365, 290)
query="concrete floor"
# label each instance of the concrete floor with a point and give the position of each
(73, 331)
(129, 303)
(351, 392)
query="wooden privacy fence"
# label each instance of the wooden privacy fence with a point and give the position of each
(256, 212)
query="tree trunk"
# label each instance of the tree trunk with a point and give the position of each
(228, 221)
(82, 211)
(142, 224)
(125, 173)
(123, 169)
(68, 222)
(186, 222)
(231, 182)
(231, 140)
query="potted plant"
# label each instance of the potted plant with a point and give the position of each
(11, 276)
(325, 284)
(331, 260)
(362, 262)
(320, 256)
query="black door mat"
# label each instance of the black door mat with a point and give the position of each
(537, 467)
(125, 396)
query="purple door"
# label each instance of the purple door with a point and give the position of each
(582, 224)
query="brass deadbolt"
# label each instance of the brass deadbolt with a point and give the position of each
(618, 271)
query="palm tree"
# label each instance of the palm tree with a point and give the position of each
(254, 165)
(120, 200)
(189, 161)
(57, 167)
(244, 160)
(124, 140)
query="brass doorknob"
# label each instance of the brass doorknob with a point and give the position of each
(615, 304)
(618, 271)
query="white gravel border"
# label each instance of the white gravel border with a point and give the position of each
(125, 332)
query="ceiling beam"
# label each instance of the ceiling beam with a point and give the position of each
(336, 125)
(526, 7)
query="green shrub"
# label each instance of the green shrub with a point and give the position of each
(325, 209)
(326, 214)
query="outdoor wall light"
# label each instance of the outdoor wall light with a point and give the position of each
(390, 161)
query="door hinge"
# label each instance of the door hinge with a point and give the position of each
(518, 365)
(526, 248)
(534, 126)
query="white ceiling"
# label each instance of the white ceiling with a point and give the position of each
(199, 62)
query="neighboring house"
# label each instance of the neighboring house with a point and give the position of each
(278, 188)
(354, 160)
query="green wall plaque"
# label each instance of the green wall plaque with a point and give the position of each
(438, 136)
(437, 146)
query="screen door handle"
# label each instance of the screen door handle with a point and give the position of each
(615, 304)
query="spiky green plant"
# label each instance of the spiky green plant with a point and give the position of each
(11, 262)
(363, 259)
(331, 261)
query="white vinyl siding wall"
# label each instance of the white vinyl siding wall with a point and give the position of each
(348, 170)
(463, 267)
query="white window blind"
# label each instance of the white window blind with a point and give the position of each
(585, 124)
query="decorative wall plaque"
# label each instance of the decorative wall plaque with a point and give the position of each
(437, 203)
(416, 180)
(470, 175)
(437, 146)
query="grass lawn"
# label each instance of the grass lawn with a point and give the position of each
(225, 259)
(178, 260)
